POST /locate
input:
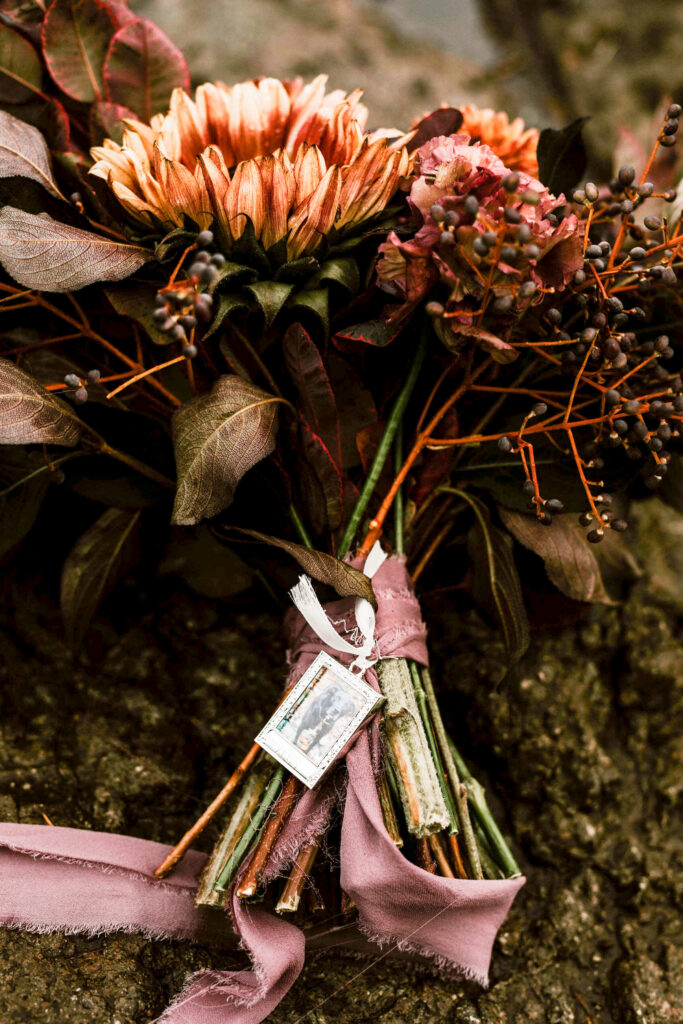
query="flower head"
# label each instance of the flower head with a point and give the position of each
(510, 140)
(292, 160)
(485, 231)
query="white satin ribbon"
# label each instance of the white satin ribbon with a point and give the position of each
(308, 604)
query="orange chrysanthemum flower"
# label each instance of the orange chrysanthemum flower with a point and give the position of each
(509, 140)
(289, 158)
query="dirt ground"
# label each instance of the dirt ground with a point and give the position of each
(581, 745)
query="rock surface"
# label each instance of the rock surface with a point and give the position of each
(580, 749)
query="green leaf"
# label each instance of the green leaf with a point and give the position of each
(96, 563)
(312, 305)
(137, 302)
(495, 580)
(227, 305)
(570, 561)
(230, 275)
(21, 72)
(142, 68)
(171, 245)
(76, 36)
(562, 156)
(347, 582)
(217, 438)
(31, 415)
(297, 271)
(270, 296)
(342, 271)
(20, 505)
(23, 153)
(45, 254)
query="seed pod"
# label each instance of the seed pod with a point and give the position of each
(204, 238)
(626, 175)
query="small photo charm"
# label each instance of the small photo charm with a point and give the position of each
(317, 719)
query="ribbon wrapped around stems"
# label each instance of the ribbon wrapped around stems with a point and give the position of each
(54, 878)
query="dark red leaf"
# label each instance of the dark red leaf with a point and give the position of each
(373, 332)
(143, 67)
(105, 122)
(445, 121)
(305, 366)
(76, 36)
(358, 404)
(326, 472)
(27, 14)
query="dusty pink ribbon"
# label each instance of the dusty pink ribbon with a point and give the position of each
(73, 880)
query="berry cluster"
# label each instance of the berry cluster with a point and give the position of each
(78, 387)
(181, 306)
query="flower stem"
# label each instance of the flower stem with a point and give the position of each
(298, 525)
(242, 815)
(141, 467)
(251, 831)
(181, 848)
(482, 813)
(291, 894)
(385, 444)
(459, 791)
(420, 697)
(41, 469)
(399, 508)
(283, 807)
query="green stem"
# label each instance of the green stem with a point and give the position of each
(385, 444)
(489, 866)
(251, 831)
(399, 508)
(298, 525)
(452, 772)
(477, 798)
(140, 467)
(420, 696)
(41, 469)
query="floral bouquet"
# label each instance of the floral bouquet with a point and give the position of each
(383, 357)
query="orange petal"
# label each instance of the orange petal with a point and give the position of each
(245, 199)
(216, 179)
(279, 195)
(184, 194)
(246, 126)
(309, 168)
(316, 215)
(190, 127)
(213, 110)
(275, 108)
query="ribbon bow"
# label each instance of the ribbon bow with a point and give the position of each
(307, 602)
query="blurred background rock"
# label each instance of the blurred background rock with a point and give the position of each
(549, 62)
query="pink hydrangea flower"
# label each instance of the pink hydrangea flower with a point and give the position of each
(483, 231)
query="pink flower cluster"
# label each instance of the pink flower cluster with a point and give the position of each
(485, 230)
